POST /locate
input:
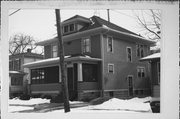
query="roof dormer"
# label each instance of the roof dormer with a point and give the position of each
(74, 24)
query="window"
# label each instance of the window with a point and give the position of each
(139, 50)
(17, 64)
(129, 54)
(109, 44)
(86, 45)
(110, 68)
(16, 81)
(89, 72)
(45, 75)
(54, 51)
(10, 65)
(65, 29)
(141, 72)
(158, 70)
(69, 28)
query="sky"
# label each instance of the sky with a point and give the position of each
(40, 23)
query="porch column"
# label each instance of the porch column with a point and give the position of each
(80, 72)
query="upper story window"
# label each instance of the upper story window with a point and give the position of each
(141, 72)
(15, 64)
(10, 65)
(86, 45)
(69, 28)
(109, 44)
(54, 51)
(110, 68)
(139, 50)
(129, 54)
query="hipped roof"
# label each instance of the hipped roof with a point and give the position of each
(99, 25)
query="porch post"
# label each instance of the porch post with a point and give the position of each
(80, 72)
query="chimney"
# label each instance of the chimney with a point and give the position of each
(29, 50)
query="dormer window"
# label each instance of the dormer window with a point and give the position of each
(65, 29)
(69, 28)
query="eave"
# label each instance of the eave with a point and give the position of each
(104, 30)
(55, 61)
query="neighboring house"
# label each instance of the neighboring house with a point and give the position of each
(19, 75)
(101, 58)
(154, 60)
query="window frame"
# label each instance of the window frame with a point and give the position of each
(138, 46)
(140, 69)
(53, 51)
(18, 67)
(68, 28)
(110, 64)
(159, 71)
(127, 54)
(84, 45)
(108, 44)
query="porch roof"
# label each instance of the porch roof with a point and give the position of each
(151, 57)
(16, 73)
(56, 60)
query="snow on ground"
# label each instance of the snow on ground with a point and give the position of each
(135, 105)
(16, 104)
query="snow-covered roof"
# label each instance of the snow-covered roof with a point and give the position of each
(56, 60)
(151, 57)
(17, 73)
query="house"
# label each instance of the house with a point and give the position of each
(101, 59)
(154, 60)
(17, 74)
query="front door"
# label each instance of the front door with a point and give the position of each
(130, 85)
(72, 83)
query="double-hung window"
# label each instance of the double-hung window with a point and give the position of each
(69, 28)
(110, 68)
(139, 50)
(109, 44)
(141, 72)
(54, 51)
(86, 45)
(129, 54)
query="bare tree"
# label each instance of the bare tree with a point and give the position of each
(150, 22)
(19, 43)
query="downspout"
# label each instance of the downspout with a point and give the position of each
(102, 64)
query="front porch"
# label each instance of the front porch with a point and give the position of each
(83, 75)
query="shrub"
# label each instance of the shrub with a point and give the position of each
(25, 97)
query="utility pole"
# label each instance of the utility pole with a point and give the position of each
(61, 63)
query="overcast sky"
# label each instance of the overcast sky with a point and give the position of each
(40, 23)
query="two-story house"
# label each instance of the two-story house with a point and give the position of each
(101, 59)
(19, 75)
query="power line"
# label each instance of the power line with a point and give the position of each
(14, 12)
(123, 14)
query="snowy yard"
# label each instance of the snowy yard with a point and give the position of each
(135, 105)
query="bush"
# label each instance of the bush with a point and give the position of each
(25, 97)
(57, 99)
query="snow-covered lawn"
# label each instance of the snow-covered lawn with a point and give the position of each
(135, 105)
